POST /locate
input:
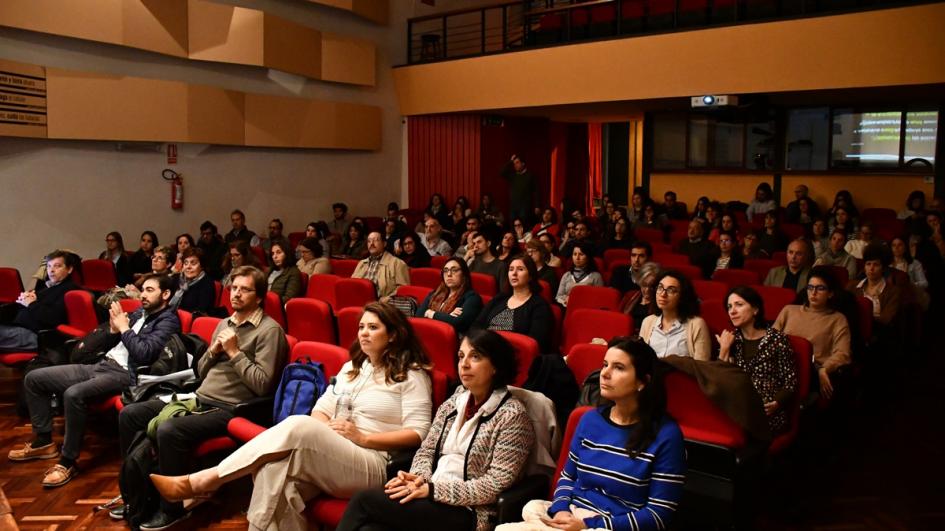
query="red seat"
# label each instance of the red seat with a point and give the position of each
(322, 287)
(98, 275)
(310, 320)
(186, 321)
(792, 230)
(715, 315)
(699, 419)
(204, 327)
(615, 254)
(304, 277)
(736, 277)
(354, 292)
(775, 299)
(803, 355)
(674, 260)
(585, 358)
(260, 255)
(761, 267)
(650, 235)
(484, 284)
(583, 325)
(558, 331)
(129, 305)
(348, 319)
(343, 268)
(11, 285)
(332, 357)
(437, 262)
(594, 297)
(526, 350)
(546, 291)
(887, 230)
(660, 249)
(689, 271)
(417, 293)
(295, 238)
(569, 430)
(440, 342)
(710, 289)
(217, 291)
(81, 314)
(878, 216)
(840, 274)
(273, 308)
(225, 302)
(780, 257)
(426, 277)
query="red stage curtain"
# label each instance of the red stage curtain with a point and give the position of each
(595, 187)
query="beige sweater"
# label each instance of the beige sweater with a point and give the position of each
(698, 337)
(827, 332)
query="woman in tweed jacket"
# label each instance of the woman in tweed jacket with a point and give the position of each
(476, 448)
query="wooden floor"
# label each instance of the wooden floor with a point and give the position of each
(879, 466)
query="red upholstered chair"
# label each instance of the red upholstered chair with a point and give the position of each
(354, 292)
(803, 355)
(674, 260)
(780, 257)
(217, 291)
(426, 277)
(761, 267)
(417, 293)
(736, 277)
(342, 267)
(295, 238)
(440, 342)
(865, 314)
(558, 331)
(890, 229)
(649, 235)
(710, 289)
(80, 314)
(332, 357)
(699, 419)
(129, 305)
(310, 320)
(484, 284)
(304, 278)
(322, 287)
(273, 308)
(11, 285)
(204, 327)
(715, 316)
(840, 274)
(569, 430)
(689, 271)
(878, 216)
(585, 358)
(186, 321)
(437, 262)
(775, 299)
(225, 301)
(526, 350)
(583, 325)
(260, 254)
(615, 254)
(348, 319)
(792, 230)
(546, 291)
(98, 275)
(594, 297)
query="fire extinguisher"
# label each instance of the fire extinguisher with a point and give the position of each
(177, 188)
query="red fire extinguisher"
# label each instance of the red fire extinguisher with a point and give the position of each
(177, 188)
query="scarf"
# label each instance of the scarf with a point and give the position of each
(182, 287)
(444, 301)
(579, 273)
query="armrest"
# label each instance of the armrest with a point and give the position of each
(258, 410)
(510, 502)
(243, 429)
(71, 331)
(400, 460)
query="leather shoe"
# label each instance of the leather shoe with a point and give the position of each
(162, 520)
(173, 488)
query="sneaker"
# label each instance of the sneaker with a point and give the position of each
(162, 520)
(118, 513)
(28, 453)
(59, 475)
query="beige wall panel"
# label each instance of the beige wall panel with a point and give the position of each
(869, 191)
(276, 121)
(101, 107)
(98, 20)
(373, 10)
(347, 60)
(291, 47)
(875, 48)
(156, 25)
(225, 33)
(214, 115)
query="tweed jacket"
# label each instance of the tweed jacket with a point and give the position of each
(495, 458)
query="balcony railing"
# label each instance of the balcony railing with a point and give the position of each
(515, 25)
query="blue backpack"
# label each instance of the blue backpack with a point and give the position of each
(301, 385)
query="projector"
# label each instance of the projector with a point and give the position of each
(713, 100)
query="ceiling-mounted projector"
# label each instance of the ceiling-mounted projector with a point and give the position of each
(713, 100)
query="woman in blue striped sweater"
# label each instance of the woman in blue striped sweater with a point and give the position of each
(626, 464)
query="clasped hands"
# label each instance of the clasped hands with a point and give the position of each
(226, 342)
(406, 487)
(564, 520)
(26, 298)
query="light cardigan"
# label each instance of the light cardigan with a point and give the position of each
(567, 284)
(698, 337)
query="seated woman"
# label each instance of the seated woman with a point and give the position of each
(675, 327)
(627, 462)
(819, 237)
(762, 203)
(161, 260)
(639, 303)
(140, 261)
(196, 292)
(508, 247)
(354, 245)
(379, 402)
(115, 253)
(454, 301)
(520, 309)
(312, 259)
(548, 223)
(763, 352)
(412, 252)
(620, 239)
(842, 221)
(540, 254)
(184, 241)
(903, 260)
(284, 278)
(522, 236)
(318, 230)
(820, 323)
(727, 223)
(835, 255)
(239, 255)
(551, 243)
(477, 446)
(583, 272)
(882, 292)
(728, 255)
(772, 239)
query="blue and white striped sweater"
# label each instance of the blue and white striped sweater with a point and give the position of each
(630, 494)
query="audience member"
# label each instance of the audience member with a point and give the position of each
(239, 255)
(521, 187)
(115, 253)
(699, 210)
(933, 219)
(472, 225)
(312, 259)
(675, 327)
(476, 448)
(672, 209)
(699, 250)
(640, 303)
(726, 222)
(337, 228)
(161, 260)
(762, 351)
(621, 238)
(864, 237)
(487, 212)
(713, 217)
(456, 219)
(903, 260)
(841, 220)
(844, 199)
(835, 255)
(454, 301)
(508, 247)
(793, 213)
(820, 238)
(385, 270)
(481, 260)
(583, 272)
(794, 274)
(393, 230)
(752, 248)
(519, 307)
(135, 340)
(285, 279)
(275, 234)
(805, 206)
(523, 236)
(540, 254)
(239, 231)
(547, 223)
(141, 259)
(627, 278)
(393, 213)
(196, 292)
(772, 239)
(819, 322)
(214, 249)
(727, 254)
(412, 252)
(354, 245)
(551, 244)
(651, 219)
(184, 241)
(632, 438)
(380, 402)
(437, 208)
(762, 203)
(582, 237)
(432, 240)
(638, 201)
(885, 296)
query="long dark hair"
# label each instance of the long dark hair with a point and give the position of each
(651, 401)
(533, 285)
(688, 300)
(404, 352)
(443, 290)
(753, 299)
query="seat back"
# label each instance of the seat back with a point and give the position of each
(295, 238)
(526, 350)
(585, 358)
(98, 275)
(484, 284)
(80, 311)
(304, 278)
(736, 277)
(204, 327)
(225, 301)
(260, 255)
(546, 291)
(583, 325)
(593, 297)
(310, 320)
(11, 285)
(615, 254)
(840, 274)
(776, 298)
(715, 316)
(803, 356)
(865, 314)
(437, 262)
(440, 342)
(417, 293)
(344, 268)
(348, 319)
(354, 292)
(186, 321)
(569, 430)
(425, 276)
(699, 419)
(332, 357)
(674, 260)
(689, 271)
(710, 289)
(217, 291)
(761, 267)
(273, 308)
(129, 305)
(649, 235)
(322, 287)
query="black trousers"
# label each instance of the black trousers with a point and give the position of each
(176, 439)
(372, 510)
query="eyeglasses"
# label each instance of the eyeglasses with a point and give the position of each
(241, 290)
(159, 258)
(815, 288)
(671, 290)
(451, 270)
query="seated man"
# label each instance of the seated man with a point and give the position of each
(627, 278)
(385, 270)
(240, 232)
(582, 236)
(214, 249)
(672, 209)
(794, 274)
(432, 238)
(243, 362)
(143, 336)
(43, 309)
(472, 225)
(275, 234)
(701, 251)
(835, 255)
(792, 212)
(481, 260)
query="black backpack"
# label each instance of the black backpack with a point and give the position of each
(550, 376)
(138, 494)
(171, 360)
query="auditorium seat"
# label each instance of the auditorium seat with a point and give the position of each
(11, 285)
(129, 305)
(710, 289)
(803, 354)
(546, 291)
(273, 308)
(344, 268)
(689, 271)
(596, 297)
(186, 321)
(484, 284)
(204, 327)
(617, 254)
(583, 325)
(425, 276)
(98, 275)
(775, 298)
(440, 342)
(80, 312)
(295, 238)
(674, 260)
(348, 320)
(716, 316)
(649, 235)
(260, 255)
(310, 320)
(736, 277)
(417, 293)
(437, 262)
(585, 358)
(761, 266)
(699, 419)
(354, 292)
(526, 350)
(322, 287)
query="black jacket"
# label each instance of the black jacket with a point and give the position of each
(48, 310)
(534, 318)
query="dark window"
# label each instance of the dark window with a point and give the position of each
(806, 140)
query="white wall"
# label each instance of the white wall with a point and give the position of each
(71, 193)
